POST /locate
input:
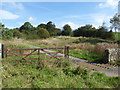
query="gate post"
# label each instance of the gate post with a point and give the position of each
(2, 50)
(66, 52)
(38, 57)
(67, 49)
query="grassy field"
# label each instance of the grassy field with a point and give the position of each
(28, 76)
(61, 74)
(81, 47)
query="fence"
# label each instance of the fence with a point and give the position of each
(27, 56)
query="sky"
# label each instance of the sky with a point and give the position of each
(76, 14)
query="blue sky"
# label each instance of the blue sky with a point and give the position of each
(76, 14)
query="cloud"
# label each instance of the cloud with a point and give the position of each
(95, 19)
(72, 24)
(30, 19)
(17, 5)
(98, 19)
(13, 5)
(109, 3)
(7, 15)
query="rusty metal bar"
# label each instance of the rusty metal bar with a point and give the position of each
(23, 54)
(29, 54)
(31, 49)
(24, 63)
(50, 54)
(22, 59)
(6, 51)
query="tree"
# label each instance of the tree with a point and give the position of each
(26, 27)
(85, 31)
(16, 33)
(5, 32)
(42, 33)
(51, 28)
(8, 34)
(115, 21)
(42, 26)
(67, 31)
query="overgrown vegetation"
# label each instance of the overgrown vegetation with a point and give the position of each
(42, 31)
(87, 55)
(59, 75)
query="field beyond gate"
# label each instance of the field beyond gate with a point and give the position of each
(35, 55)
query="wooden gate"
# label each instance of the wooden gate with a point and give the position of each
(28, 56)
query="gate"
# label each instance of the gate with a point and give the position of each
(35, 55)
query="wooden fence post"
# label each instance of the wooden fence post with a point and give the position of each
(2, 47)
(38, 57)
(66, 52)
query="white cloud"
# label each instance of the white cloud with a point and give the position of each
(7, 15)
(30, 19)
(73, 25)
(98, 19)
(13, 5)
(109, 3)
(95, 19)
(17, 5)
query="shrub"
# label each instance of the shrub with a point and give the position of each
(43, 33)
(63, 63)
(100, 47)
(83, 46)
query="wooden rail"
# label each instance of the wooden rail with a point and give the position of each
(21, 53)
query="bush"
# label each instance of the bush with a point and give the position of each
(63, 63)
(83, 46)
(43, 33)
(100, 47)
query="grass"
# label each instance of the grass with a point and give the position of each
(27, 76)
(93, 41)
(117, 36)
(63, 74)
(84, 54)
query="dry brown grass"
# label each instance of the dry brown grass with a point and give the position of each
(83, 46)
(100, 47)
(57, 41)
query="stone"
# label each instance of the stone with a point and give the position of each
(111, 55)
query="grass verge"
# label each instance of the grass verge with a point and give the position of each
(84, 54)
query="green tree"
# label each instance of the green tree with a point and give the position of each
(26, 27)
(42, 26)
(101, 32)
(8, 34)
(42, 33)
(16, 33)
(5, 32)
(67, 31)
(85, 31)
(51, 28)
(115, 21)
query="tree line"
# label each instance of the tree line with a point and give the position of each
(27, 31)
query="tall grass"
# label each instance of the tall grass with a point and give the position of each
(61, 74)
(100, 47)
(83, 46)
(28, 76)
